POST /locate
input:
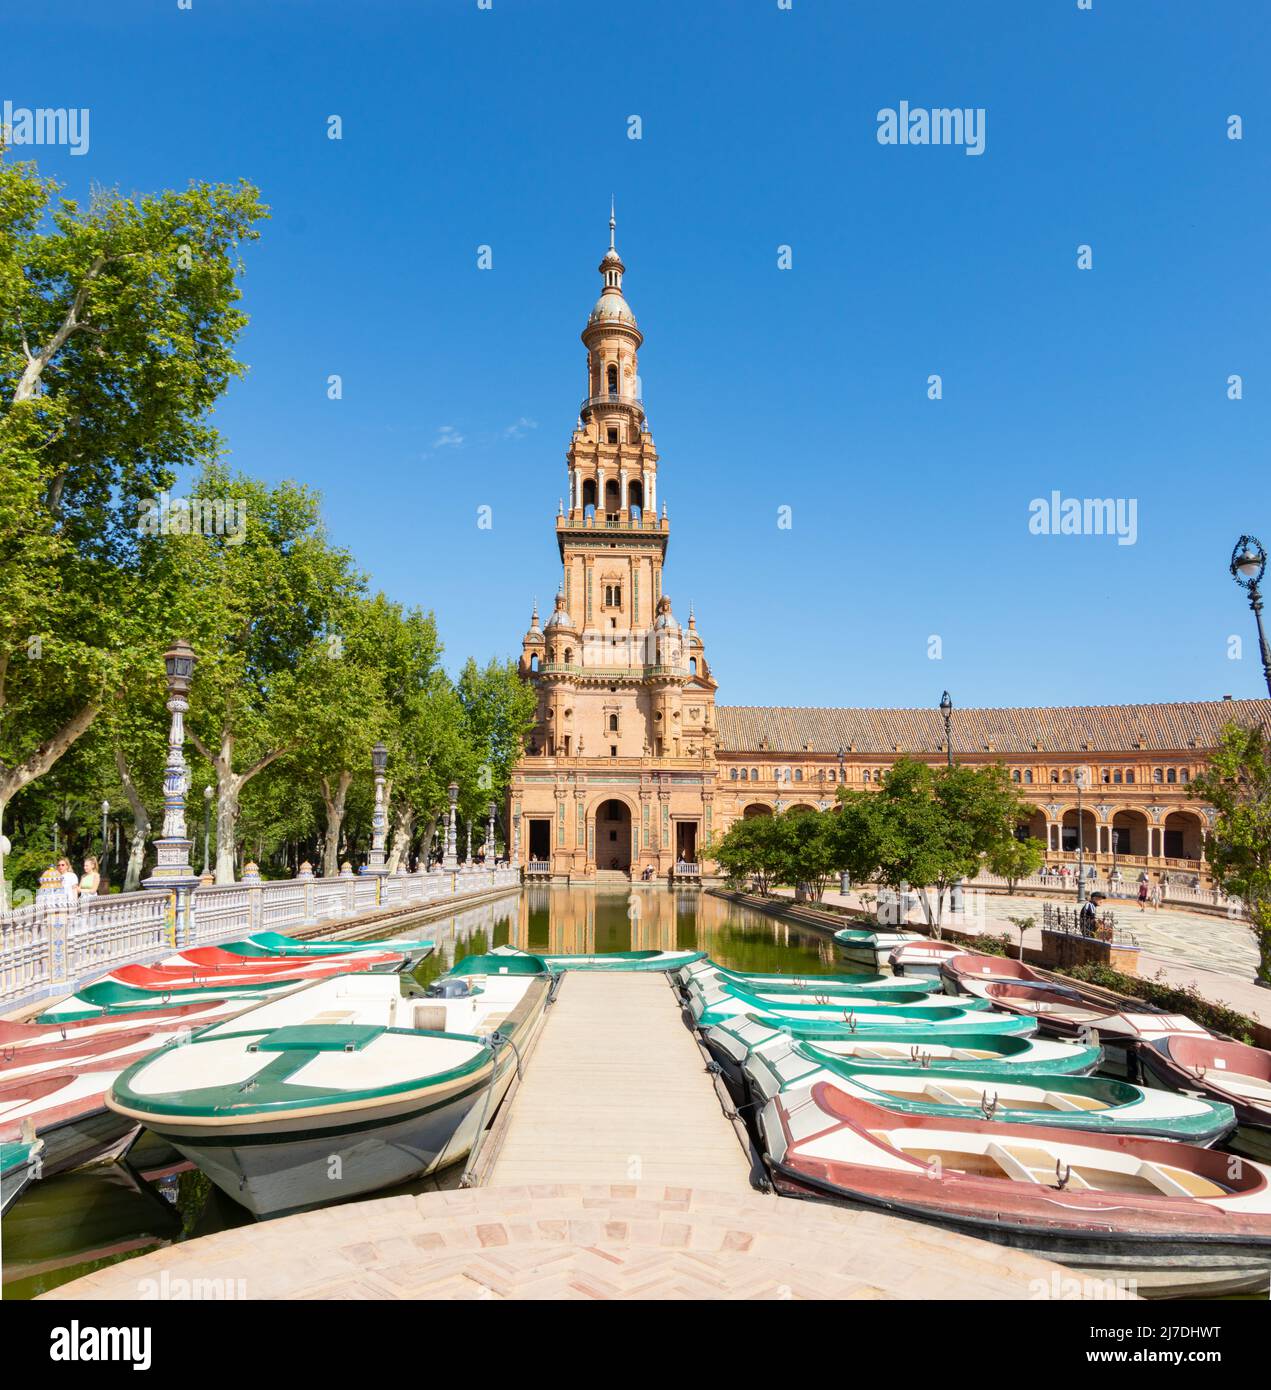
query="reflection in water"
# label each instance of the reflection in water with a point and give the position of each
(67, 1226)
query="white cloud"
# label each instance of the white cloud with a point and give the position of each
(447, 438)
(520, 428)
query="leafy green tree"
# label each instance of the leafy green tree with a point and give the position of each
(499, 707)
(1237, 784)
(751, 849)
(807, 849)
(117, 326)
(1013, 859)
(258, 605)
(936, 825)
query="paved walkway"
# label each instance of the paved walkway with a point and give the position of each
(617, 1091)
(1216, 954)
(572, 1241)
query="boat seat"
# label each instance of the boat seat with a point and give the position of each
(1241, 1085)
(1032, 1165)
(331, 1016)
(1177, 1182)
(430, 1018)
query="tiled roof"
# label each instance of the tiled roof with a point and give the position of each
(1064, 729)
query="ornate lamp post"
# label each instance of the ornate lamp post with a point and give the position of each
(489, 835)
(1079, 777)
(467, 854)
(845, 879)
(451, 857)
(172, 870)
(207, 828)
(946, 708)
(379, 821)
(1248, 562)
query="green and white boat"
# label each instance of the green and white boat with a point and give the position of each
(842, 997)
(714, 1005)
(274, 944)
(612, 960)
(114, 997)
(1006, 1093)
(19, 1167)
(343, 1087)
(868, 947)
(703, 972)
(733, 1042)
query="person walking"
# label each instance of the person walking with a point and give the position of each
(1156, 896)
(1143, 891)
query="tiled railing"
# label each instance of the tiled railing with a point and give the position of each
(53, 945)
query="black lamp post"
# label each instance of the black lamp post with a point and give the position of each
(1248, 563)
(946, 708)
(845, 878)
(1079, 777)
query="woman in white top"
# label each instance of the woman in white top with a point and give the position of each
(70, 884)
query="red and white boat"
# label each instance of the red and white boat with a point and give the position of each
(1219, 1070)
(67, 1110)
(968, 972)
(15, 1037)
(181, 975)
(922, 957)
(1177, 1220)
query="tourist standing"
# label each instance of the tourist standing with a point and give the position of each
(70, 884)
(1143, 892)
(1157, 894)
(90, 881)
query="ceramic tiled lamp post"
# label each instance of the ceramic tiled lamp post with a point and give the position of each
(379, 819)
(172, 871)
(451, 860)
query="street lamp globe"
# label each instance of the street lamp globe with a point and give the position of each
(379, 758)
(946, 705)
(1248, 561)
(178, 662)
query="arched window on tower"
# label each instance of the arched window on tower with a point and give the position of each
(612, 378)
(635, 497)
(692, 666)
(589, 496)
(1171, 775)
(743, 774)
(534, 662)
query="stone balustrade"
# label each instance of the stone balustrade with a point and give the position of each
(56, 944)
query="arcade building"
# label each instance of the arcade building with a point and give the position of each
(633, 769)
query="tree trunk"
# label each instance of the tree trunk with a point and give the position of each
(229, 787)
(403, 830)
(13, 779)
(140, 823)
(430, 830)
(334, 803)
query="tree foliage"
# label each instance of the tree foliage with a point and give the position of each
(1237, 784)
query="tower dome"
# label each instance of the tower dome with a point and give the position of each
(560, 621)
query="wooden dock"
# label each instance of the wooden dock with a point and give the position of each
(617, 1092)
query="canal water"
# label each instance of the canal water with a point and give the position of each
(70, 1225)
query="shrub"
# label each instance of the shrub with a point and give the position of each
(1178, 999)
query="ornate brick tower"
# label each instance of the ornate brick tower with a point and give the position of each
(619, 777)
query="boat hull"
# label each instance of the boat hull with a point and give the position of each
(287, 1169)
(1155, 1266)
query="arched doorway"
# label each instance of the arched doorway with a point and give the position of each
(1087, 838)
(1129, 833)
(1182, 835)
(613, 836)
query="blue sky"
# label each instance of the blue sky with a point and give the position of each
(765, 388)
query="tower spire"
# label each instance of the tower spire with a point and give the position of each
(612, 223)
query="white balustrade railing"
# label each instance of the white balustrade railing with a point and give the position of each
(1178, 894)
(55, 944)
